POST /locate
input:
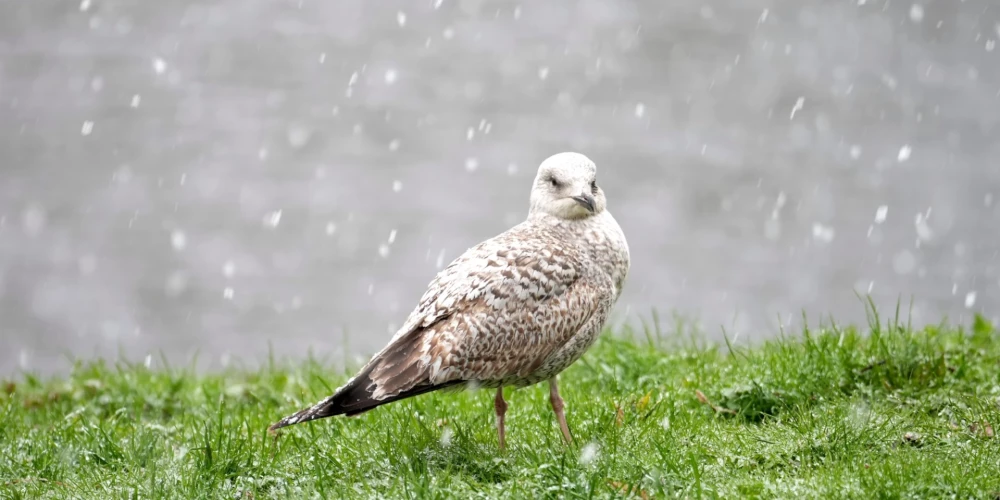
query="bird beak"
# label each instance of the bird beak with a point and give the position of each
(586, 201)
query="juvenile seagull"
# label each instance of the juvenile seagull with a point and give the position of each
(513, 310)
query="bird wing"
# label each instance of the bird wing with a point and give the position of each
(495, 313)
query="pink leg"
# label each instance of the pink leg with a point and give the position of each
(501, 407)
(557, 407)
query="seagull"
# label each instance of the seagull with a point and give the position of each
(514, 310)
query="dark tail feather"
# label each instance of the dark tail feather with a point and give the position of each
(353, 399)
(398, 370)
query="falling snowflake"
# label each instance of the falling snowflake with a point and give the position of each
(298, 136)
(799, 103)
(970, 300)
(178, 240)
(904, 153)
(880, 214)
(823, 233)
(924, 231)
(272, 219)
(176, 284)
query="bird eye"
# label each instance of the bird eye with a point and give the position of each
(554, 182)
(593, 186)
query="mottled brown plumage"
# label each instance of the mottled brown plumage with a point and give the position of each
(513, 310)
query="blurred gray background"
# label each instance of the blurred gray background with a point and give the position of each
(228, 177)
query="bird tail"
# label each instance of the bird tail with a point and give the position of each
(354, 399)
(396, 371)
(345, 401)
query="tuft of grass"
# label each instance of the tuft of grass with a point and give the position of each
(832, 412)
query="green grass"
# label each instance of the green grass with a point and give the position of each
(891, 412)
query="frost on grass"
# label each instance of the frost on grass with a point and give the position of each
(589, 453)
(446, 436)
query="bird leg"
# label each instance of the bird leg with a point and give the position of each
(557, 407)
(501, 407)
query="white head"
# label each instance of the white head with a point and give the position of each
(566, 187)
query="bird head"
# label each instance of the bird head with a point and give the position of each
(566, 187)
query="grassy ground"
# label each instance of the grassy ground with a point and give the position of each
(829, 413)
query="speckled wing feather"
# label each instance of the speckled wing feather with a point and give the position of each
(497, 315)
